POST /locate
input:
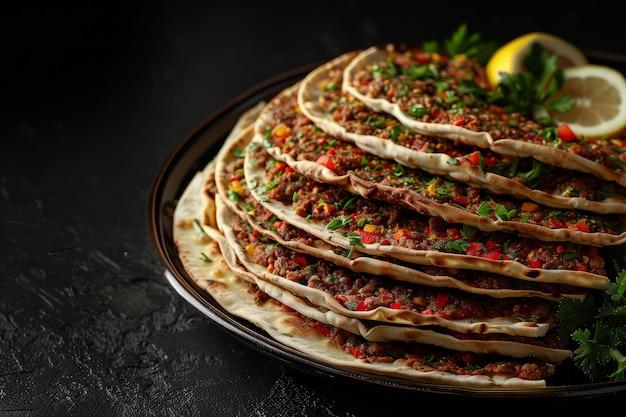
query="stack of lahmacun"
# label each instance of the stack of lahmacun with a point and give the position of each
(382, 216)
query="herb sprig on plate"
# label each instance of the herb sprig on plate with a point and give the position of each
(598, 326)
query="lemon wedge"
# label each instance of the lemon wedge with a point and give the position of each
(509, 58)
(599, 94)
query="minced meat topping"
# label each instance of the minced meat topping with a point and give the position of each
(434, 90)
(306, 143)
(479, 279)
(362, 292)
(419, 357)
(374, 222)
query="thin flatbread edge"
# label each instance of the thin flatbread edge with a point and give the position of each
(513, 147)
(437, 164)
(232, 293)
(381, 332)
(324, 250)
(255, 173)
(327, 301)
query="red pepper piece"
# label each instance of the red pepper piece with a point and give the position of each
(582, 226)
(565, 132)
(362, 306)
(474, 158)
(326, 161)
(557, 224)
(301, 260)
(442, 299)
(355, 352)
(368, 237)
(323, 329)
(459, 200)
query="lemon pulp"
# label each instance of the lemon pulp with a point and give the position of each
(599, 94)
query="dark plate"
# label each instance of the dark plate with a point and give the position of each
(195, 151)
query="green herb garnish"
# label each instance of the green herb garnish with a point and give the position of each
(537, 87)
(463, 42)
(598, 326)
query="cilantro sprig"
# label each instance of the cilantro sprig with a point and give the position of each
(598, 326)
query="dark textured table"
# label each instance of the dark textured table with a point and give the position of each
(95, 99)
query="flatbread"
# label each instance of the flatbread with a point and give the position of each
(510, 337)
(374, 277)
(411, 236)
(445, 150)
(566, 155)
(371, 176)
(354, 288)
(240, 297)
(233, 188)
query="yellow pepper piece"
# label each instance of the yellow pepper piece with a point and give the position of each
(432, 189)
(372, 228)
(236, 187)
(281, 131)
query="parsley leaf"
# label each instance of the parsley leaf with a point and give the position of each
(599, 331)
(463, 42)
(339, 222)
(536, 87)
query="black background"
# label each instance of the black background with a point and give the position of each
(95, 98)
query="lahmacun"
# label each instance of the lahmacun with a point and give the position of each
(382, 216)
